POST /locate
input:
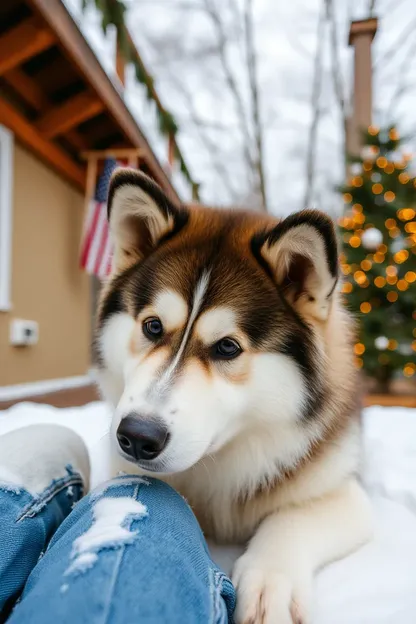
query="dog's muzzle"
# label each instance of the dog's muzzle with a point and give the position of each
(142, 438)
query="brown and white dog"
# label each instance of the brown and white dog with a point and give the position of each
(225, 350)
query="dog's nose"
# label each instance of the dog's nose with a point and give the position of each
(141, 438)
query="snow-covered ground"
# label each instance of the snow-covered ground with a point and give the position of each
(376, 585)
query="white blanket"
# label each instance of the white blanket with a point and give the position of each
(377, 584)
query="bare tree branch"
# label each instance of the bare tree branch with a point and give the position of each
(255, 105)
(337, 77)
(401, 86)
(316, 110)
(390, 54)
(230, 80)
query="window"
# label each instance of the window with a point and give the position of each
(6, 208)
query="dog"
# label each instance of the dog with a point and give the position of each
(224, 347)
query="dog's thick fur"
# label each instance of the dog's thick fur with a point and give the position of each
(265, 446)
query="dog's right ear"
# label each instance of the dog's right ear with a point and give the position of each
(140, 216)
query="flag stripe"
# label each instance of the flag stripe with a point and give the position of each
(101, 248)
(102, 269)
(96, 246)
(96, 241)
(94, 214)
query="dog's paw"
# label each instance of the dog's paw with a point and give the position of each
(266, 596)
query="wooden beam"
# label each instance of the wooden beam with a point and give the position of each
(46, 150)
(27, 88)
(22, 42)
(62, 118)
(31, 92)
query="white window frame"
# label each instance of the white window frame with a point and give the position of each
(6, 217)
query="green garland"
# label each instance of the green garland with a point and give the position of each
(113, 13)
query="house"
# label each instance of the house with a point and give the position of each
(56, 102)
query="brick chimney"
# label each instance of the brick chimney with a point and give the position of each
(360, 38)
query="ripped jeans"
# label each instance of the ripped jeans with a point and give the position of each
(131, 552)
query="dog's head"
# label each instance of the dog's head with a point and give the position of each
(211, 323)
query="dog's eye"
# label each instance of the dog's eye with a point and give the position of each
(226, 349)
(153, 328)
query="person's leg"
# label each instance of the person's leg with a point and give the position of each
(43, 472)
(131, 552)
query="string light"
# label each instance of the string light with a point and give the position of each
(355, 241)
(346, 269)
(365, 307)
(392, 346)
(378, 257)
(414, 345)
(410, 277)
(347, 198)
(383, 248)
(357, 181)
(347, 287)
(391, 279)
(389, 196)
(377, 188)
(406, 214)
(392, 296)
(401, 256)
(366, 265)
(404, 178)
(409, 369)
(380, 282)
(393, 134)
(373, 130)
(390, 223)
(359, 218)
(391, 270)
(367, 165)
(381, 162)
(360, 277)
(357, 208)
(402, 285)
(394, 232)
(389, 168)
(359, 348)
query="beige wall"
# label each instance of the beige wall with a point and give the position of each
(47, 285)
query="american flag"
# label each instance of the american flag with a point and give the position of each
(96, 247)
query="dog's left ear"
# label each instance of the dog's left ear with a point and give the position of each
(302, 253)
(141, 216)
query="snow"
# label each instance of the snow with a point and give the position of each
(376, 585)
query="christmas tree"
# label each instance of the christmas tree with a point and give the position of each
(379, 255)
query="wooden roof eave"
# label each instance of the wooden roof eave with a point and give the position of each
(74, 46)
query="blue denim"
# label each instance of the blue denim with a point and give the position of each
(154, 569)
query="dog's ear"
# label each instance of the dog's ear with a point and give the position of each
(302, 254)
(140, 216)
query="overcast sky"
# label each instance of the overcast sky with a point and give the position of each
(170, 38)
